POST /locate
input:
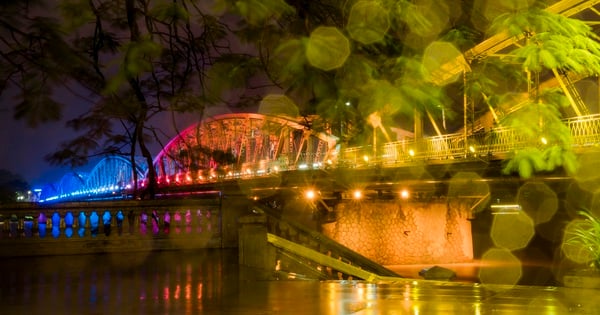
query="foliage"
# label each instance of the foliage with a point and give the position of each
(581, 241)
(385, 71)
(380, 74)
(126, 62)
(131, 61)
(554, 45)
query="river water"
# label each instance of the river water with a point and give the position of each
(208, 282)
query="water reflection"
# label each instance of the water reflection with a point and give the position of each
(131, 283)
(208, 282)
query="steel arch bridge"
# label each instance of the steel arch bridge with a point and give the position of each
(246, 145)
(242, 144)
(222, 147)
(111, 176)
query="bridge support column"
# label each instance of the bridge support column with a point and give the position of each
(413, 232)
(256, 255)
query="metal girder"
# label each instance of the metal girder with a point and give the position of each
(502, 40)
(255, 141)
(493, 45)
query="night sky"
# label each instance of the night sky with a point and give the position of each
(24, 148)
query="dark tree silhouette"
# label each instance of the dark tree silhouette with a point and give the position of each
(126, 61)
(11, 185)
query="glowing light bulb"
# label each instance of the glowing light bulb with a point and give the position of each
(404, 194)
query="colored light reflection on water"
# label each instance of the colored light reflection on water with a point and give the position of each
(208, 282)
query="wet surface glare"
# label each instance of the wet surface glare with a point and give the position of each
(208, 282)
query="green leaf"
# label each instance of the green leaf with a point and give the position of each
(525, 168)
(547, 59)
(75, 13)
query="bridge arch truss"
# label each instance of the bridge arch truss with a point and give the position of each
(110, 176)
(244, 144)
(114, 173)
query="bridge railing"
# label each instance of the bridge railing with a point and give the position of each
(75, 228)
(585, 132)
(495, 143)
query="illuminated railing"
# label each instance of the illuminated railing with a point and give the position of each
(585, 130)
(494, 144)
(110, 227)
(498, 142)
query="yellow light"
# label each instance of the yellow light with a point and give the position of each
(404, 194)
(411, 152)
(472, 149)
(310, 194)
(357, 194)
(544, 140)
(276, 168)
(366, 158)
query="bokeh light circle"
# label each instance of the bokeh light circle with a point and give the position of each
(278, 104)
(427, 18)
(500, 266)
(444, 62)
(368, 22)
(492, 9)
(469, 184)
(512, 230)
(538, 200)
(587, 176)
(327, 48)
(576, 199)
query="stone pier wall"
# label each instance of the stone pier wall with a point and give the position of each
(400, 232)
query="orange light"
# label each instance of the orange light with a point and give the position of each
(404, 194)
(310, 194)
(357, 194)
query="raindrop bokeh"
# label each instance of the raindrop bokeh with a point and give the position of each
(512, 230)
(327, 48)
(538, 201)
(500, 267)
(368, 22)
(278, 104)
